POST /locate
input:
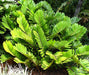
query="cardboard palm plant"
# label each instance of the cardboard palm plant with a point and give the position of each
(44, 39)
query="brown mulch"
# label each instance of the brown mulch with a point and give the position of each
(54, 72)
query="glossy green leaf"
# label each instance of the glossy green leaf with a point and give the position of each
(5, 23)
(17, 33)
(19, 61)
(46, 6)
(27, 4)
(65, 57)
(51, 55)
(20, 48)
(45, 65)
(40, 37)
(10, 49)
(23, 50)
(83, 50)
(39, 17)
(75, 31)
(2, 30)
(58, 44)
(23, 24)
(59, 27)
(5, 57)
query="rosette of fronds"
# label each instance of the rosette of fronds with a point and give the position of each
(43, 38)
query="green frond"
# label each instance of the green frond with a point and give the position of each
(7, 22)
(10, 49)
(19, 61)
(45, 65)
(82, 50)
(23, 50)
(51, 55)
(17, 13)
(23, 24)
(59, 16)
(17, 33)
(33, 58)
(24, 6)
(42, 52)
(59, 27)
(46, 6)
(58, 44)
(79, 70)
(2, 30)
(65, 57)
(68, 53)
(40, 38)
(5, 57)
(61, 57)
(61, 44)
(75, 31)
(76, 44)
(27, 4)
(40, 19)
(20, 48)
(31, 5)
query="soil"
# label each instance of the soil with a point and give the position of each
(61, 72)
